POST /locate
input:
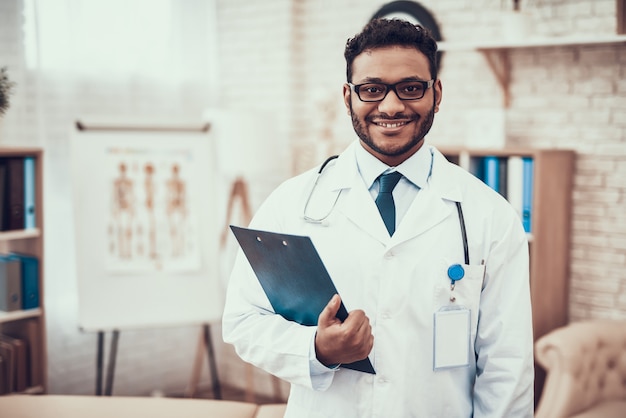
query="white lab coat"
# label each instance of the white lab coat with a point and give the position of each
(400, 282)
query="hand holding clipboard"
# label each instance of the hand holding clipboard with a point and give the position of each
(293, 277)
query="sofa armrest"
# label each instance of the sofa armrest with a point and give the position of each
(585, 364)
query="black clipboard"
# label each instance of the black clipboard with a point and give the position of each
(293, 277)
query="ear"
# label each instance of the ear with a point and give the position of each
(347, 93)
(438, 89)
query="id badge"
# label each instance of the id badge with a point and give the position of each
(451, 338)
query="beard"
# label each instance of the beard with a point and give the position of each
(424, 128)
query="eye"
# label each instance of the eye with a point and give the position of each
(411, 89)
(372, 89)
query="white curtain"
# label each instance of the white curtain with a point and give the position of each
(165, 41)
(108, 60)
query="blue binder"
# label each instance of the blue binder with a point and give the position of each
(10, 280)
(29, 193)
(527, 197)
(492, 172)
(30, 280)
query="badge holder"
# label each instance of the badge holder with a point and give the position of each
(452, 329)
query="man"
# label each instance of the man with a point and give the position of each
(447, 326)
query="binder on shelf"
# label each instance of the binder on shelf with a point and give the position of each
(14, 197)
(10, 283)
(30, 280)
(515, 183)
(475, 167)
(29, 193)
(527, 202)
(503, 163)
(491, 172)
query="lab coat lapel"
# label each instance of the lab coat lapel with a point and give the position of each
(427, 210)
(355, 201)
(430, 206)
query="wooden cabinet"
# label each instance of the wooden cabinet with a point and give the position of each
(549, 238)
(28, 325)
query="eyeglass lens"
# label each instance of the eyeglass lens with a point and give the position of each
(406, 90)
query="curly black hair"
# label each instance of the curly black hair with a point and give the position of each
(382, 32)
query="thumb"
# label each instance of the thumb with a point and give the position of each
(327, 316)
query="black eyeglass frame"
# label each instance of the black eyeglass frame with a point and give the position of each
(425, 84)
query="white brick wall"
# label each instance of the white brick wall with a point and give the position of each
(284, 59)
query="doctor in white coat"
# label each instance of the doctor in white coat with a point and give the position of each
(438, 298)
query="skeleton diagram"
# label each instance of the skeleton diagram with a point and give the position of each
(123, 211)
(176, 211)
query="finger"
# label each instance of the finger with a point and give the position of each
(327, 316)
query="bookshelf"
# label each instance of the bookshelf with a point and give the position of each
(28, 325)
(549, 236)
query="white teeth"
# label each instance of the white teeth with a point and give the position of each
(391, 125)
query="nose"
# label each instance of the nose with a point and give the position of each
(391, 104)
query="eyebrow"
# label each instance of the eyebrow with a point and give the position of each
(380, 80)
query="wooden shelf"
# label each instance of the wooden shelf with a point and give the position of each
(542, 42)
(20, 234)
(497, 52)
(19, 315)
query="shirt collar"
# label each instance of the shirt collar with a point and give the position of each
(416, 168)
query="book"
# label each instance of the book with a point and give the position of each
(515, 183)
(3, 376)
(491, 172)
(10, 283)
(14, 194)
(29, 332)
(19, 365)
(527, 197)
(293, 277)
(29, 279)
(8, 354)
(29, 193)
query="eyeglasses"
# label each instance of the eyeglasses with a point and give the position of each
(405, 90)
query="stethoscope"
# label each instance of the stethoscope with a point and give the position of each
(455, 272)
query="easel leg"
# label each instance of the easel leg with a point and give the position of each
(197, 367)
(99, 363)
(215, 382)
(111, 369)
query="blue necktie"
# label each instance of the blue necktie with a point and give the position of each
(384, 200)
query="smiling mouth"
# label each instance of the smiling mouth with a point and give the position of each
(391, 124)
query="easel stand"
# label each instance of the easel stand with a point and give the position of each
(108, 384)
(100, 363)
(205, 342)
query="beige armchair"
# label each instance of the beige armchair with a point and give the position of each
(585, 364)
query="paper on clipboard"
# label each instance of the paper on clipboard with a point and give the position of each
(293, 277)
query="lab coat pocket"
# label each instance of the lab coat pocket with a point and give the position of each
(465, 293)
